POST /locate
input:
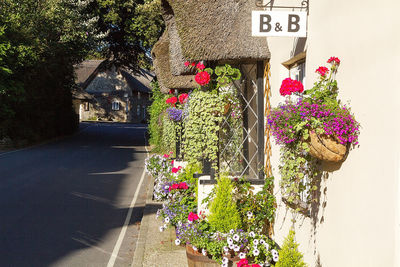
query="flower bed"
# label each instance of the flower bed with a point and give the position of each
(233, 232)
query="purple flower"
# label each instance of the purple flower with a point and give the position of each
(175, 114)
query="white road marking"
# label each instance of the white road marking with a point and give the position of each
(117, 246)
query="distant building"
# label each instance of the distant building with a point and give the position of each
(111, 94)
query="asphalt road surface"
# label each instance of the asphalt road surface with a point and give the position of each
(66, 203)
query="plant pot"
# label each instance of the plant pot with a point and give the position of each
(326, 148)
(227, 108)
(196, 259)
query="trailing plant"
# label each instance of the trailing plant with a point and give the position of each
(257, 210)
(205, 110)
(169, 129)
(156, 109)
(318, 111)
(224, 215)
(289, 255)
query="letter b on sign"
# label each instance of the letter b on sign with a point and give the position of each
(293, 23)
(265, 23)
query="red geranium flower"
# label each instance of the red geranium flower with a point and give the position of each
(202, 78)
(322, 71)
(172, 101)
(200, 66)
(183, 98)
(335, 60)
(242, 263)
(166, 156)
(193, 64)
(187, 63)
(193, 217)
(175, 170)
(290, 86)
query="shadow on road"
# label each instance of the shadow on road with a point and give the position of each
(67, 196)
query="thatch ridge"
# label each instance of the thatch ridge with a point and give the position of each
(217, 30)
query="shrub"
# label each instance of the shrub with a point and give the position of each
(224, 214)
(155, 110)
(289, 256)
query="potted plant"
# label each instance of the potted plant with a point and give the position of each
(311, 125)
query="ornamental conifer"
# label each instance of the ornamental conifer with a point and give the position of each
(224, 214)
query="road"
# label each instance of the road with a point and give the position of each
(65, 203)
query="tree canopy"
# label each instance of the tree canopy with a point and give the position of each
(42, 40)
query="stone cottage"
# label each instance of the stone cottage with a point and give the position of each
(111, 94)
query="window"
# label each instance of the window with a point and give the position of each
(115, 105)
(86, 106)
(297, 67)
(138, 110)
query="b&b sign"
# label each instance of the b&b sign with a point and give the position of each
(279, 23)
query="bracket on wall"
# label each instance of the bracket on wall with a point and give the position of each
(270, 5)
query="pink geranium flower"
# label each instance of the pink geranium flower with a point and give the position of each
(193, 216)
(322, 71)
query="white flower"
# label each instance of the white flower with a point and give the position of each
(224, 265)
(274, 252)
(165, 226)
(177, 242)
(275, 258)
(255, 242)
(249, 214)
(232, 231)
(166, 187)
(252, 234)
(194, 248)
(166, 220)
(242, 255)
(236, 237)
(256, 252)
(262, 242)
(266, 246)
(236, 248)
(204, 252)
(225, 260)
(231, 246)
(179, 223)
(267, 264)
(226, 249)
(161, 228)
(229, 240)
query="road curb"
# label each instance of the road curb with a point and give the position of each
(144, 226)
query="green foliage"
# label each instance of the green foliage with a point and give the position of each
(200, 138)
(289, 256)
(156, 109)
(40, 41)
(224, 215)
(130, 28)
(168, 134)
(298, 172)
(257, 210)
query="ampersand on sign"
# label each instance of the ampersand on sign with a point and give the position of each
(278, 27)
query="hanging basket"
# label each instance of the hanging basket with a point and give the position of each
(326, 148)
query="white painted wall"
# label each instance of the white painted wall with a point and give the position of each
(360, 223)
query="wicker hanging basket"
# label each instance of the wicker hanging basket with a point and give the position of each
(326, 148)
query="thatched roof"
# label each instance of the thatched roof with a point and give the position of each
(161, 62)
(216, 30)
(85, 69)
(176, 59)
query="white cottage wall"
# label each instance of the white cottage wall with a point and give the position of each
(359, 226)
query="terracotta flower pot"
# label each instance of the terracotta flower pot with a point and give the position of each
(326, 148)
(196, 259)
